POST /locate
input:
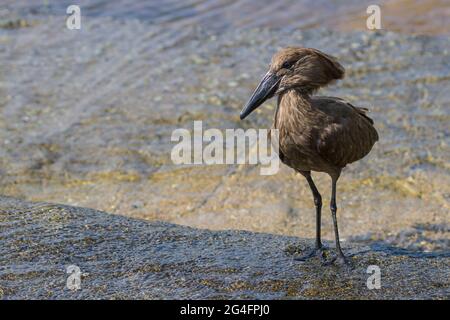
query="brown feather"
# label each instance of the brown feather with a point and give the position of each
(322, 133)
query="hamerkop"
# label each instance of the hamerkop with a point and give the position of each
(316, 133)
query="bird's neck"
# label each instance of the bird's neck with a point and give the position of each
(294, 101)
(292, 104)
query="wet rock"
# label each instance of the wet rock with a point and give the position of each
(120, 257)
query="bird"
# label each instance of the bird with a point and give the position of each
(315, 133)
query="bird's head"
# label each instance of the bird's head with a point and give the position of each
(303, 69)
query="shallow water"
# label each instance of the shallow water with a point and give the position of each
(406, 16)
(86, 117)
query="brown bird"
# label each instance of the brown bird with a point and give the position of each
(316, 133)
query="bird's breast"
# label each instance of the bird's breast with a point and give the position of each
(295, 149)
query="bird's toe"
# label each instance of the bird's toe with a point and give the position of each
(316, 252)
(339, 260)
(344, 262)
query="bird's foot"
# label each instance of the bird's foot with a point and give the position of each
(340, 260)
(316, 252)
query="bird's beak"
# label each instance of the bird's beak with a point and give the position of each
(265, 90)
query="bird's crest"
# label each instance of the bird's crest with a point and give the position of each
(306, 68)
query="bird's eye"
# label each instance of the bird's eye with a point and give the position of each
(287, 64)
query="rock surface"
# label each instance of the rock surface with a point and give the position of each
(121, 257)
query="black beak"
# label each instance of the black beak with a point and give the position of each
(265, 90)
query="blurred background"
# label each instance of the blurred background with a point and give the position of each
(86, 115)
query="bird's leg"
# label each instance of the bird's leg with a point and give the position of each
(340, 255)
(319, 248)
(318, 205)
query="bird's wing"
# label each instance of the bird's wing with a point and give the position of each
(348, 135)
